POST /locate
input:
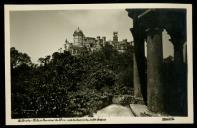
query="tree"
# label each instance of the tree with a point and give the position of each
(45, 60)
(18, 58)
(101, 78)
(69, 86)
(108, 50)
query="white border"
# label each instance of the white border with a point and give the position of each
(111, 120)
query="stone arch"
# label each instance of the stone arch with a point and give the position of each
(148, 25)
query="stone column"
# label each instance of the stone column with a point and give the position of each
(136, 79)
(180, 73)
(136, 76)
(154, 70)
(178, 53)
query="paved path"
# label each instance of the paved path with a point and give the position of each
(114, 110)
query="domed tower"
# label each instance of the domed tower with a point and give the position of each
(78, 37)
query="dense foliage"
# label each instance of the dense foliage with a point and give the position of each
(63, 85)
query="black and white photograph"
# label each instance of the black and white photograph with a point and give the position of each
(89, 64)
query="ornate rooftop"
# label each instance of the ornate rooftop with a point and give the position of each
(78, 32)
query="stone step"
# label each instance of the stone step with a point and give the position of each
(114, 110)
(140, 110)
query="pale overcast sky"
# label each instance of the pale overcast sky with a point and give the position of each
(40, 33)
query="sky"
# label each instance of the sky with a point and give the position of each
(40, 33)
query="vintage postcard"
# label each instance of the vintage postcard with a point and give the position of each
(98, 64)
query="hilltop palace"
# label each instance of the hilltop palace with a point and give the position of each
(90, 44)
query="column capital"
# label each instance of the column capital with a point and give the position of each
(178, 36)
(152, 31)
(138, 33)
(176, 41)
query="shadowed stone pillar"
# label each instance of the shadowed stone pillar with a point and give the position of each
(138, 63)
(154, 70)
(178, 53)
(180, 72)
(136, 79)
(136, 76)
